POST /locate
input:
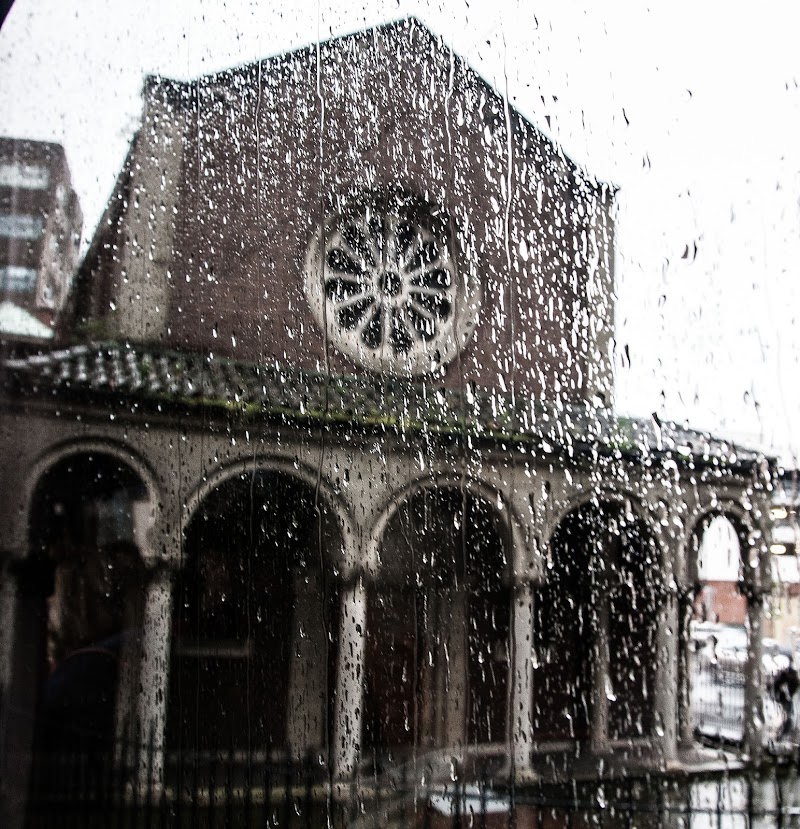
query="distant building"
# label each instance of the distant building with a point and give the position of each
(784, 609)
(720, 596)
(40, 231)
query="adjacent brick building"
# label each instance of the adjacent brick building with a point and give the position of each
(40, 232)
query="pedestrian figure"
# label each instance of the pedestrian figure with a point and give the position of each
(784, 687)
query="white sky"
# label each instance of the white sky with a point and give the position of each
(692, 109)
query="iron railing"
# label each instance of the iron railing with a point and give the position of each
(231, 788)
(718, 701)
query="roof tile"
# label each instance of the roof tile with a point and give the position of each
(144, 373)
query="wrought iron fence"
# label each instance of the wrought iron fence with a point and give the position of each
(236, 789)
(718, 701)
(718, 698)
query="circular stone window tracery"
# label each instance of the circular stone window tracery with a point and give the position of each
(382, 281)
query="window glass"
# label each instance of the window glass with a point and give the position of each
(24, 176)
(16, 279)
(414, 439)
(20, 226)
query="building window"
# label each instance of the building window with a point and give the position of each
(20, 226)
(382, 280)
(17, 280)
(25, 176)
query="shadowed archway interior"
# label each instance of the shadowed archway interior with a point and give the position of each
(595, 627)
(255, 620)
(86, 519)
(438, 627)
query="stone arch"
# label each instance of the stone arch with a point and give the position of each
(738, 516)
(121, 453)
(732, 593)
(257, 606)
(609, 494)
(439, 621)
(303, 473)
(723, 616)
(511, 528)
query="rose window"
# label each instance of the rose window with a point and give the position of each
(384, 284)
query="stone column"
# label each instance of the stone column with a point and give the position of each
(685, 666)
(753, 676)
(154, 677)
(601, 660)
(522, 690)
(350, 679)
(666, 673)
(685, 573)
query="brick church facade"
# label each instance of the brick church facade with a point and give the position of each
(326, 458)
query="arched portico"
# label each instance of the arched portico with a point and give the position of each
(345, 547)
(735, 597)
(509, 524)
(257, 607)
(147, 514)
(438, 625)
(308, 476)
(79, 598)
(596, 615)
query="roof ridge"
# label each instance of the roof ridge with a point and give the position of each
(156, 79)
(153, 82)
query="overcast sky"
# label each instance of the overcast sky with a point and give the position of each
(693, 110)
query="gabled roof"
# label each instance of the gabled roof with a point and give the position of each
(182, 93)
(416, 135)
